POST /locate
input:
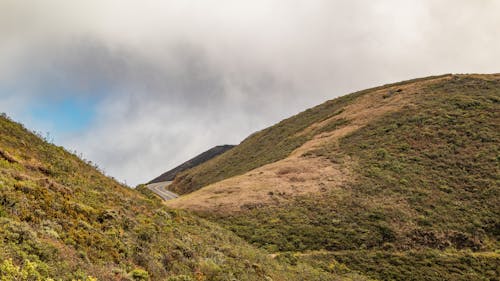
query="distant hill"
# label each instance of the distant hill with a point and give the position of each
(191, 163)
(398, 182)
(61, 219)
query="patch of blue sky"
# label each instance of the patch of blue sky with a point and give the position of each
(53, 104)
(60, 105)
(65, 116)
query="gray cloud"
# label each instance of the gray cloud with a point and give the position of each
(172, 78)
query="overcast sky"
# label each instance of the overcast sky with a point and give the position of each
(140, 86)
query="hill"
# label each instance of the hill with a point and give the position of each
(61, 219)
(191, 163)
(403, 175)
(279, 141)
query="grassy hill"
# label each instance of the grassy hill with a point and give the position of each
(399, 182)
(61, 218)
(272, 144)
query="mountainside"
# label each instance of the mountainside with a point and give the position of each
(191, 163)
(404, 175)
(279, 141)
(61, 218)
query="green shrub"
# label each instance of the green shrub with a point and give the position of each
(28, 272)
(139, 274)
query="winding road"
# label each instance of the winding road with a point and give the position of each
(160, 188)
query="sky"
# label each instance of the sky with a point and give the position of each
(139, 87)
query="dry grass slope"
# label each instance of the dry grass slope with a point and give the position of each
(415, 182)
(272, 144)
(299, 173)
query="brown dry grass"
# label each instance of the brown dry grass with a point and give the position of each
(269, 184)
(297, 174)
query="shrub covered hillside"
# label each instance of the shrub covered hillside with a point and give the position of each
(60, 218)
(407, 189)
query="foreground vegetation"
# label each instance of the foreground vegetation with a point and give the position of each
(61, 219)
(423, 200)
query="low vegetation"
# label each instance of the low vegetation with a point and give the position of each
(423, 199)
(61, 219)
(410, 265)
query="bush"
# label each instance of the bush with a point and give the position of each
(139, 274)
(28, 272)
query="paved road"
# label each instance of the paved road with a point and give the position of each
(160, 188)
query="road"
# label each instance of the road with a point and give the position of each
(160, 188)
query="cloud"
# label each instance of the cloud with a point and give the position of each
(169, 79)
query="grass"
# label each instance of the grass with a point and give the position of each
(269, 145)
(61, 219)
(426, 182)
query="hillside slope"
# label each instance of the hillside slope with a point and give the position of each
(61, 218)
(193, 162)
(276, 142)
(405, 174)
